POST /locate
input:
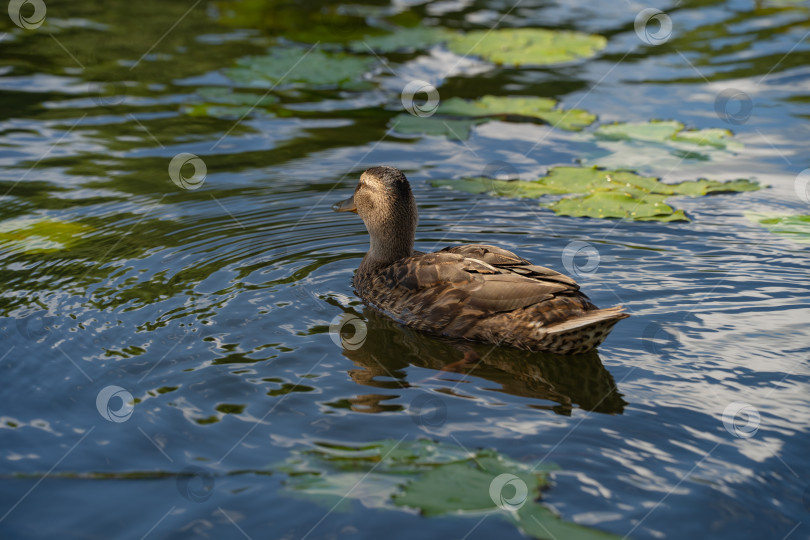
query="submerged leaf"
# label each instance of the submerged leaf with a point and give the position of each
(437, 479)
(293, 65)
(403, 40)
(224, 102)
(457, 130)
(519, 108)
(795, 227)
(40, 235)
(527, 46)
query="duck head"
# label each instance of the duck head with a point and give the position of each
(383, 199)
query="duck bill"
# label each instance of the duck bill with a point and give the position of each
(345, 206)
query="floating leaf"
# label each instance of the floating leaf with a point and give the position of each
(38, 235)
(527, 46)
(403, 40)
(610, 204)
(795, 227)
(457, 130)
(437, 479)
(603, 193)
(519, 108)
(296, 66)
(663, 131)
(659, 144)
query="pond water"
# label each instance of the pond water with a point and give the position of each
(211, 307)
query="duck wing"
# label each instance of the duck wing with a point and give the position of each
(456, 288)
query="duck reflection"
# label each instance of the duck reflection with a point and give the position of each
(389, 349)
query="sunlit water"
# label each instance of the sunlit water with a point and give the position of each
(212, 307)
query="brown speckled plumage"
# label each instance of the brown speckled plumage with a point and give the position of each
(475, 292)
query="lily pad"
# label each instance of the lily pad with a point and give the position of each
(457, 130)
(795, 227)
(664, 131)
(610, 204)
(436, 479)
(294, 66)
(659, 145)
(519, 108)
(601, 193)
(527, 46)
(38, 235)
(223, 102)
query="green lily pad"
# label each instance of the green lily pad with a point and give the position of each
(519, 108)
(795, 227)
(294, 66)
(403, 40)
(601, 193)
(40, 235)
(609, 204)
(223, 102)
(664, 131)
(659, 145)
(436, 479)
(527, 46)
(457, 130)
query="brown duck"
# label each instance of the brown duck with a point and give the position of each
(474, 291)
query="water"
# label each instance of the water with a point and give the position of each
(212, 307)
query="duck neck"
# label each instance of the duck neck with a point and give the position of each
(385, 251)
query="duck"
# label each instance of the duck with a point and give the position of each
(473, 292)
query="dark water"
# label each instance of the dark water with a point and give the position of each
(212, 307)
